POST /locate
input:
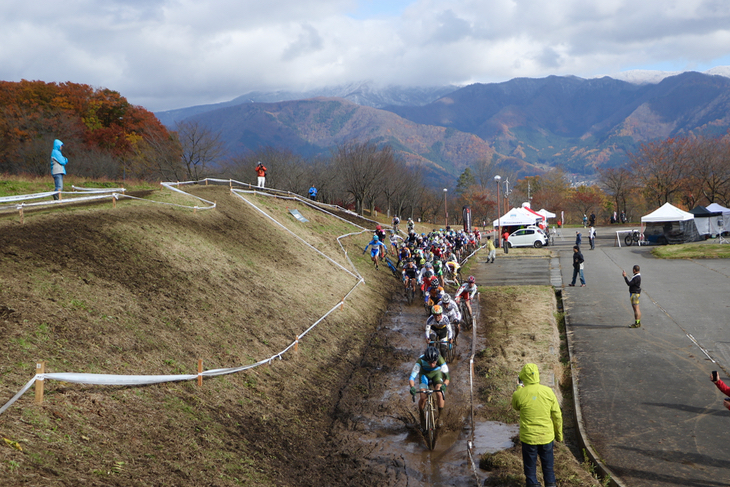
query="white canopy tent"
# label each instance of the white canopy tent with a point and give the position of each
(723, 224)
(517, 217)
(667, 213)
(669, 224)
(547, 214)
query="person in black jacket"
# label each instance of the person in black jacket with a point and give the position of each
(635, 292)
(577, 267)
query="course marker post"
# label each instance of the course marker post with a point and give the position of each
(296, 344)
(22, 219)
(114, 202)
(40, 368)
(200, 372)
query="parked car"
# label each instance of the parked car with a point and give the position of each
(528, 237)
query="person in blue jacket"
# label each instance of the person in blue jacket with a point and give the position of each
(312, 193)
(58, 167)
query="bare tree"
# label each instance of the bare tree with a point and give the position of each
(361, 167)
(618, 184)
(200, 147)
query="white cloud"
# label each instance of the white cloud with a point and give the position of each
(172, 53)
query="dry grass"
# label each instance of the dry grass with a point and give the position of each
(522, 326)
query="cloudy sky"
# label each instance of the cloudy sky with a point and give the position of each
(166, 54)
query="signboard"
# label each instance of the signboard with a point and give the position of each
(298, 216)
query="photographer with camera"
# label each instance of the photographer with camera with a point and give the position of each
(724, 388)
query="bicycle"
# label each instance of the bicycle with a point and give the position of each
(428, 420)
(392, 268)
(633, 237)
(466, 316)
(410, 293)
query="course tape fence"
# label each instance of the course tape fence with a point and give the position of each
(137, 380)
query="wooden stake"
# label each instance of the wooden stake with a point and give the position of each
(40, 368)
(200, 372)
(342, 304)
(22, 220)
(206, 181)
(296, 344)
(114, 202)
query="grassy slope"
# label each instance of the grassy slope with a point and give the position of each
(146, 289)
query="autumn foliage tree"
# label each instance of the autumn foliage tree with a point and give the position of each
(103, 134)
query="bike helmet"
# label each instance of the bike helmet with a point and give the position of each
(446, 299)
(472, 280)
(429, 265)
(431, 355)
(437, 310)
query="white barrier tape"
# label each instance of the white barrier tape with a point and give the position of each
(17, 396)
(22, 197)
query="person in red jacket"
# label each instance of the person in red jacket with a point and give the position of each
(724, 388)
(261, 172)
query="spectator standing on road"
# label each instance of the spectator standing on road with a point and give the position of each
(585, 220)
(505, 236)
(541, 423)
(313, 193)
(577, 267)
(261, 172)
(634, 292)
(592, 237)
(578, 238)
(492, 250)
(623, 216)
(58, 167)
(724, 389)
(592, 219)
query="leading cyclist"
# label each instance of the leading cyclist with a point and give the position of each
(430, 368)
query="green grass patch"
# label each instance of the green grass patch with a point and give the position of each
(692, 251)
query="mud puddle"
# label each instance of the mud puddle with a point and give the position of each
(387, 423)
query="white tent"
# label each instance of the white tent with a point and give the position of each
(724, 222)
(670, 225)
(517, 217)
(546, 214)
(667, 213)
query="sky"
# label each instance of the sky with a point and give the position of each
(166, 54)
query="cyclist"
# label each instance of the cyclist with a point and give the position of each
(404, 254)
(410, 270)
(438, 326)
(430, 368)
(453, 268)
(411, 225)
(380, 233)
(467, 291)
(451, 311)
(432, 291)
(438, 270)
(376, 249)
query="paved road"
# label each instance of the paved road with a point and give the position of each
(649, 408)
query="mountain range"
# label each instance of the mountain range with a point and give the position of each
(529, 125)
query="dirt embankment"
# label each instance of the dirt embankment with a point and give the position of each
(144, 289)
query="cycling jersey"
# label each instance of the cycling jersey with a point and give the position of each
(410, 270)
(441, 328)
(427, 373)
(467, 291)
(451, 311)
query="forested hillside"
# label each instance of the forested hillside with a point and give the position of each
(103, 133)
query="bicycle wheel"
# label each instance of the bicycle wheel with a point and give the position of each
(409, 294)
(628, 240)
(466, 316)
(430, 413)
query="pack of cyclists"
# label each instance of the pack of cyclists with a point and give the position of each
(428, 262)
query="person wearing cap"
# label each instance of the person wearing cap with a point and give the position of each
(541, 423)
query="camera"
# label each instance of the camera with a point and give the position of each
(714, 376)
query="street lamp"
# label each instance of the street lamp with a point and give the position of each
(446, 210)
(497, 179)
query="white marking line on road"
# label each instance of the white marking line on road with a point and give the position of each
(701, 348)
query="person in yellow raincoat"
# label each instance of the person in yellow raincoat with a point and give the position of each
(541, 423)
